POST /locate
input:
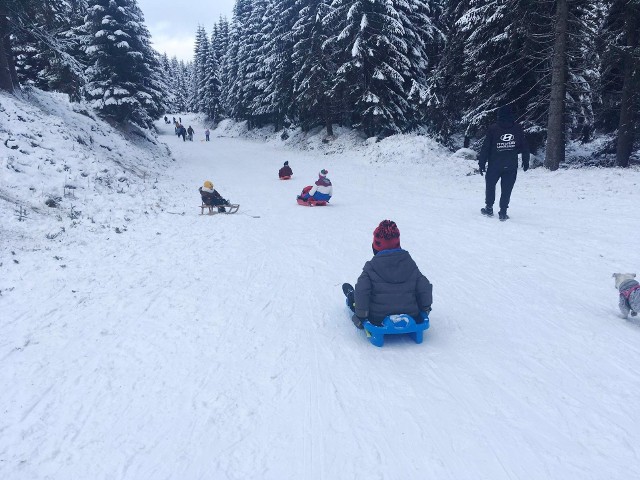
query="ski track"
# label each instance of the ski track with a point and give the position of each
(200, 347)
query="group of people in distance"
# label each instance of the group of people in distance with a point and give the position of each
(185, 133)
(391, 282)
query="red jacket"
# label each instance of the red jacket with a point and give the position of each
(285, 171)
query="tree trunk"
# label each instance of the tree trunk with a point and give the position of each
(6, 55)
(327, 117)
(626, 125)
(555, 150)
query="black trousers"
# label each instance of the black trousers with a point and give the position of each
(507, 181)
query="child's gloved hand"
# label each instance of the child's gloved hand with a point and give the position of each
(634, 314)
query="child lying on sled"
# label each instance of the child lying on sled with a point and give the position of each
(211, 197)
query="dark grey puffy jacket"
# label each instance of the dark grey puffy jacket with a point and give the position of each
(390, 284)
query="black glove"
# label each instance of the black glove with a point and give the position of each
(481, 170)
(634, 314)
(525, 166)
(357, 321)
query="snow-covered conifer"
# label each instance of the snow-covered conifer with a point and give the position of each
(314, 66)
(121, 76)
(372, 64)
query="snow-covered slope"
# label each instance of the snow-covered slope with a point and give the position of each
(68, 169)
(197, 347)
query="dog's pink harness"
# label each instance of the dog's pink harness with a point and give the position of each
(627, 293)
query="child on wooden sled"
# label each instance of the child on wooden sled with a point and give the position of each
(211, 197)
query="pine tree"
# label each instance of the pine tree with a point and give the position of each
(314, 66)
(234, 61)
(211, 87)
(45, 43)
(274, 102)
(180, 74)
(222, 38)
(446, 90)
(201, 55)
(425, 41)
(621, 75)
(123, 68)
(507, 46)
(372, 64)
(252, 54)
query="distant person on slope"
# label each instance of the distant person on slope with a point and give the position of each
(190, 131)
(182, 133)
(321, 191)
(390, 283)
(211, 197)
(285, 171)
(206, 134)
(505, 139)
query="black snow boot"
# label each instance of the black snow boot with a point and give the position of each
(350, 293)
(502, 215)
(357, 322)
(488, 211)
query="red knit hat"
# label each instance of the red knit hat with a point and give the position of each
(386, 236)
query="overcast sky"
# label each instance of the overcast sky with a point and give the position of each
(173, 23)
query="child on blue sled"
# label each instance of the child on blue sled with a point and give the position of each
(390, 283)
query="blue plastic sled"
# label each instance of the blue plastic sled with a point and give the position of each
(396, 325)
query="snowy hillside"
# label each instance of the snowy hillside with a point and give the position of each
(196, 347)
(67, 169)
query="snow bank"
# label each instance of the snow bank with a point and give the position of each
(412, 148)
(404, 149)
(62, 168)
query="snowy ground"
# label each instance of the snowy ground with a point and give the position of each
(197, 347)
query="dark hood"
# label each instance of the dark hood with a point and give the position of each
(505, 115)
(393, 266)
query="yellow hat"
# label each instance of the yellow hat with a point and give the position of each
(208, 184)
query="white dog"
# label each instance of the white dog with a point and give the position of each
(629, 293)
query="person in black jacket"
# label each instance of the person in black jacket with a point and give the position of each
(390, 283)
(210, 196)
(190, 131)
(505, 139)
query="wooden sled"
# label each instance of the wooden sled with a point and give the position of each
(213, 209)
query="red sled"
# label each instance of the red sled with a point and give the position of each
(286, 177)
(312, 203)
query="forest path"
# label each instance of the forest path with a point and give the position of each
(199, 347)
